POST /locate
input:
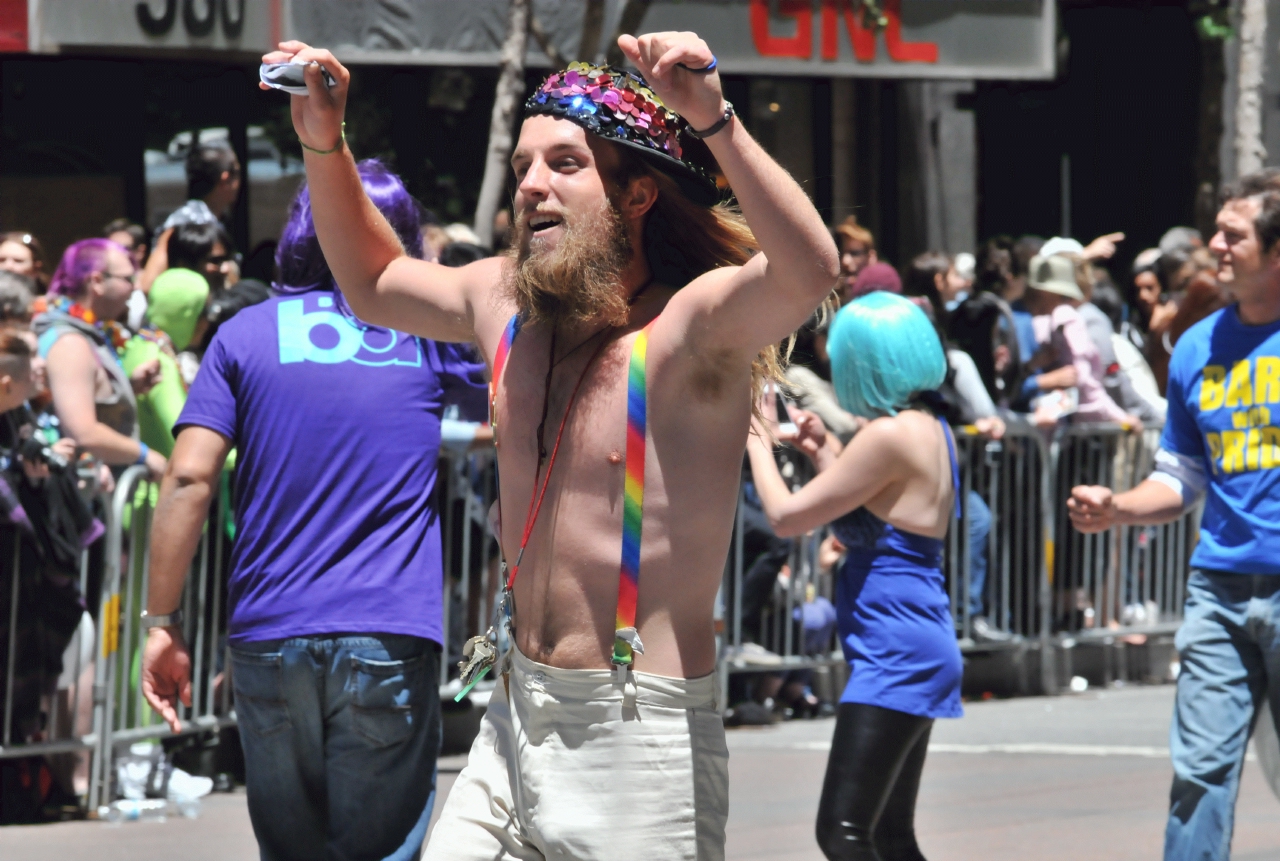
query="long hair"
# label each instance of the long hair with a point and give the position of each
(79, 263)
(683, 240)
(301, 262)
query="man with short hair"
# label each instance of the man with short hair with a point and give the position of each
(622, 332)
(213, 184)
(1220, 444)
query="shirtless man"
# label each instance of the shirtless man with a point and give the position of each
(582, 753)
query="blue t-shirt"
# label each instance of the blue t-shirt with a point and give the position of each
(337, 429)
(1224, 381)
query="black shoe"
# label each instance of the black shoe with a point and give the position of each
(749, 713)
(984, 633)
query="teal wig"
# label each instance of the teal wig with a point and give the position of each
(884, 351)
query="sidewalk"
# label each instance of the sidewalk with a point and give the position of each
(1044, 778)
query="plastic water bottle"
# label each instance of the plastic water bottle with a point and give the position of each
(142, 810)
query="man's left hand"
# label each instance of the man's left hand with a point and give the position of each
(166, 674)
(669, 63)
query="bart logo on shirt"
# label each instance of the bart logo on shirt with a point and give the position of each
(341, 340)
(1250, 389)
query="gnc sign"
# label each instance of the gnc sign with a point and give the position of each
(1003, 39)
(862, 39)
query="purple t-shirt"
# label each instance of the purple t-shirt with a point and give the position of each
(337, 429)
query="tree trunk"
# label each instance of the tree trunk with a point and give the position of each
(1253, 45)
(592, 25)
(505, 104)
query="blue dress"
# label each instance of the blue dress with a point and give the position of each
(894, 616)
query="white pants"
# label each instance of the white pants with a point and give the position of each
(574, 765)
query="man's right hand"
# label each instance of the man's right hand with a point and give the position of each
(1092, 508)
(166, 674)
(317, 116)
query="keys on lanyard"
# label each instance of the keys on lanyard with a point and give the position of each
(481, 654)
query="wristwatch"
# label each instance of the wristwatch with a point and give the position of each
(168, 620)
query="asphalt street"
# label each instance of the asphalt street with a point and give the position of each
(1084, 776)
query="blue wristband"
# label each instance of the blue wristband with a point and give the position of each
(143, 451)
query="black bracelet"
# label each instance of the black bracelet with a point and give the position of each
(720, 123)
(705, 69)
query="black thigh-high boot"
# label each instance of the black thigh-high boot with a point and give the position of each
(870, 751)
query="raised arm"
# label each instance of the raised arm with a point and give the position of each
(764, 301)
(382, 285)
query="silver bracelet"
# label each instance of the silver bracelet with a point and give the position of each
(168, 620)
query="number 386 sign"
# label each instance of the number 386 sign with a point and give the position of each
(198, 17)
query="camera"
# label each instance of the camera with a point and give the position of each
(35, 451)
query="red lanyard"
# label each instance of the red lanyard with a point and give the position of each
(540, 493)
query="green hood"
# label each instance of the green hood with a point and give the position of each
(176, 304)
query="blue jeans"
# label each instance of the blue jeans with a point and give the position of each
(340, 737)
(979, 531)
(1229, 644)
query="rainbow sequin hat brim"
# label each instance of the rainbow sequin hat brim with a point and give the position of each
(620, 107)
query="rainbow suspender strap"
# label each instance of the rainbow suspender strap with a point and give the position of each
(500, 362)
(627, 641)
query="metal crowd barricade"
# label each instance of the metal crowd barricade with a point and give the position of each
(467, 488)
(1002, 479)
(122, 716)
(1046, 587)
(1130, 580)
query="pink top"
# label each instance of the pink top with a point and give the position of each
(1065, 333)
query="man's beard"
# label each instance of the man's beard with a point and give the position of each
(578, 281)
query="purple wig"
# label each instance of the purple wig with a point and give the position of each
(79, 262)
(298, 256)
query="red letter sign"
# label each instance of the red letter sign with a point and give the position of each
(900, 51)
(800, 45)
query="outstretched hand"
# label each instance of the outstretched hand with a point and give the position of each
(317, 116)
(669, 63)
(1103, 248)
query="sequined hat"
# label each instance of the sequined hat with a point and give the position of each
(620, 107)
